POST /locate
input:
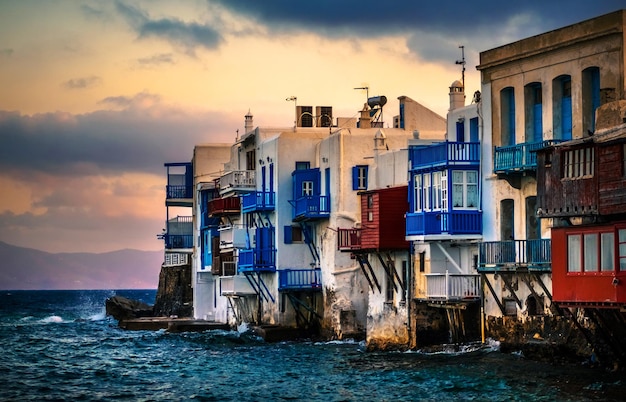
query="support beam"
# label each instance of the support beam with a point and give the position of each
(387, 271)
(371, 280)
(493, 293)
(449, 257)
(509, 286)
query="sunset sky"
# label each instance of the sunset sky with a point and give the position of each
(96, 95)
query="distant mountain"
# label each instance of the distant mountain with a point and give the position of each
(30, 269)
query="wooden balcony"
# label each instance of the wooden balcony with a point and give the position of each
(224, 206)
(300, 279)
(439, 223)
(257, 201)
(257, 260)
(452, 287)
(236, 181)
(513, 255)
(444, 154)
(349, 239)
(519, 158)
(311, 207)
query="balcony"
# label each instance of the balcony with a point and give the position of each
(311, 207)
(300, 279)
(238, 180)
(257, 260)
(513, 255)
(235, 286)
(444, 154)
(440, 223)
(179, 233)
(519, 158)
(179, 188)
(224, 206)
(349, 239)
(257, 201)
(452, 287)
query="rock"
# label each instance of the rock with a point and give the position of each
(122, 308)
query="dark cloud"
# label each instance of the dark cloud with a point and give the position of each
(140, 137)
(6, 52)
(156, 60)
(186, 36)
(434, 29)
(81, 83)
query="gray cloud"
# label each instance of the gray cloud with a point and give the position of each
(186, 36)
(434, 29)
(138, 138)
(81, 83)
(156, 60)
(6, 52)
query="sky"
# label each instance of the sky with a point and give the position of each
(96, 96)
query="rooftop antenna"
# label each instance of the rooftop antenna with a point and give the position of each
(367, 92)
(462, 63)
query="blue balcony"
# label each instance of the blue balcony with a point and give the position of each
(444, 154)
(179, 188)
(258, 201)
(511, 255)
(300, 279)
(257, 260)
(178, 233)
(519, 158)
(438, 223)
(311, 207)
(178, 241)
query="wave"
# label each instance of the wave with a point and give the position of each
(52, 319)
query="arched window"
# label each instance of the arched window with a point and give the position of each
(591, 98)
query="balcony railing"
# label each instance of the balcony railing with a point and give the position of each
(520, 157)
(178, 192)
(235, 285)
(349, 239)
(179, 233)
(257, 260)
(299, 279)
(452, 286)
(311, 207)
(178, 241)
(438, 222)
(511, 255)
(258, 201)
(224, 206)
(445, 153)
(238, 180)
(174, 259)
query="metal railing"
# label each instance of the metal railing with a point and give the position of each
(258, 201)
(514, 254)
(311, 206)
(300, 279)
(519, 157)
(444, 153)
(438, 222)
(238, 179)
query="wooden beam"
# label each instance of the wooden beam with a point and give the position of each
(493, 293)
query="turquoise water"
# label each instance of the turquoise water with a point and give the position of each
(58, 345)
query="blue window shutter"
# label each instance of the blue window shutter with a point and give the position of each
(511, 117)
(566, 118)
(366, 173)
(537, 123)
(595, 95)
(288, 235)
(355, 178)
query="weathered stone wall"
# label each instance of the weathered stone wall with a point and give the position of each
(174, 294)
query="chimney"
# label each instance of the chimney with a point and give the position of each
(365, 121)
(457, 95)
(249, 123)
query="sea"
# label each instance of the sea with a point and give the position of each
(60, 345)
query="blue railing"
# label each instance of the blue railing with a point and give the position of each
(257, 260)
(179, 191)
(519, 157)
(445, 153)
(178, 241)
(300, 279)
(258, 201)
(514, 254)
(312, 207)
(437, 222)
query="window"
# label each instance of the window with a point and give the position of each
(621, 235)
(578, 163)
(465, 189)
(293, 234)
(422, 261)
(251, 160)
(417, 193)
(303, 165)
(389, 290)
(370, 201)
(507, 116)
(510, 307)
(533, 110)
(359, 177)
(426, 191)
(437, 205)
(307, 188)
(594, 250)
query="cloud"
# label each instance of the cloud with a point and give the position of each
(183, 35)
(81, 83)
(479, 25)
(156, 60)
(139, 137)
(6, 53)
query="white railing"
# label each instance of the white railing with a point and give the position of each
(173, 259)
(452, 286)
(235, 285)
(238, 179)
